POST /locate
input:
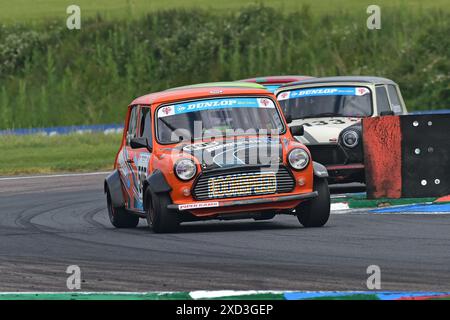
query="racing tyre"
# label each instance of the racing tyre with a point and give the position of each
(315, 213)
(119, 217)
(159, 218)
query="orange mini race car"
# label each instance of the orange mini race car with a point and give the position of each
(212, 152)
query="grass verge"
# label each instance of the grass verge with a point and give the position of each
(381, 203)
(13, 11)
(50, 76)
(71, 153)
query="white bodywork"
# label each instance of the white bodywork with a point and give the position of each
(323, 130)
(326, 130)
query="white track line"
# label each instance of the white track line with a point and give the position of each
(228, 293)
(339, 206)
(54, 176)
(338, 196)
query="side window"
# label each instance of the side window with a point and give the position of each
(382, 100)
(132, 125)
(146, 124)
(395, 100)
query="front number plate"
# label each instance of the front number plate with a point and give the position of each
(239, 185)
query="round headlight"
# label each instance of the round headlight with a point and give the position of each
(298, 159)
(350, 139)
(185, 169)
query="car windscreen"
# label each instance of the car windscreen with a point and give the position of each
(198, 119)
(326, 101)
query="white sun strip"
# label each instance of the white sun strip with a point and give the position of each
(55, 176)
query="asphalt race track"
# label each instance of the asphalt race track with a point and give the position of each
(47, 224)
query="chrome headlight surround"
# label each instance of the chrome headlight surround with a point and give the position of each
(185, 169)
(350, 138)
(298, 159)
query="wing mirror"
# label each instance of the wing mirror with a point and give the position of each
(297, 130)
(288, 119)
(139, 143)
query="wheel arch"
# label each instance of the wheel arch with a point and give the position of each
(319, 170)
(113, 184)
(157, 184)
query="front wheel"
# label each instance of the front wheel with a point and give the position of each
(159, 217)
(119, 217)
(315, 212)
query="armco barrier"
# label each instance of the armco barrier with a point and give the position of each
(105, 128)
(407, 156)
(438, 111)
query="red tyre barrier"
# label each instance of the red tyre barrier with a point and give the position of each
(382, 157)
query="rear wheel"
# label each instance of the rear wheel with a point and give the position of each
(119, 217)
(316, 212)
(159, 217)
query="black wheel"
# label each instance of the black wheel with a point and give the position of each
(119, 217)
(315, 213)
(159, 218)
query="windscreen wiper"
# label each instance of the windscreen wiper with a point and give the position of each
(171, 127)
(324, 114)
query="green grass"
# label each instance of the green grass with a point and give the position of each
(96, 296)
(50, 76)
(381, 203)
(40, 10)
(42, 154)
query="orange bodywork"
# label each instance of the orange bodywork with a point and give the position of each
(163, 159)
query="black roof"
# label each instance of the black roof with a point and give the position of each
(366, 79)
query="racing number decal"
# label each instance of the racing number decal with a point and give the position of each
(323, 123)
(142, 175)
(134, 174)
(142, 163)
(319, 123)
(337, 121)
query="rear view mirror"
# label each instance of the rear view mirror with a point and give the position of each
(139, 143)
(297, 130)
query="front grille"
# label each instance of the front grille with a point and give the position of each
(241, 183)
(328, 154)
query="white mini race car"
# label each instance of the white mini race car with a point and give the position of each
(330, 110)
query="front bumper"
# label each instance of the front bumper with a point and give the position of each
(346, 173)
(244, 202)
